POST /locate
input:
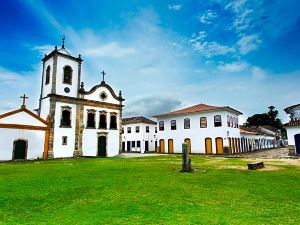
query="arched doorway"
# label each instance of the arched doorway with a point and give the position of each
(208, 146)
(162, 146)
(170, 146)
(219, 146)
(102, 146)
(20, 149)
(188, 142)
(297, 143)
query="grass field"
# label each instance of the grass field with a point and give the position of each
(148, 190)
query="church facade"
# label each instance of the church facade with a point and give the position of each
(82, 123)
(79, 122)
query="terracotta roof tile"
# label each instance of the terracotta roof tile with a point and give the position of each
(292, 123)
(139, 119)
(197, 108)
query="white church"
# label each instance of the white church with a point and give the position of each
(71, 121)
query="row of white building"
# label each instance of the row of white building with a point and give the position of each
(206, 129)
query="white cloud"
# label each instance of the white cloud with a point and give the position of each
(150, 105)
(208, 17)
(43, 49)
(174, 7)
(258, 73)
(13, 85)
(113, 50)
(210, 49)
(233, 67)
(249, 43)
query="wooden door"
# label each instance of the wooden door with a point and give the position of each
(188, 142)
(19, 151)
(128, 146)
(123, 146)
(162, 145)
(219, 145)
(102, 146)
(208, 146)
(170, 146)
(146, 146)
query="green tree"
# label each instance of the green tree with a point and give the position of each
(263, 119)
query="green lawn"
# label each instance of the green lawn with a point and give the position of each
(147, 191)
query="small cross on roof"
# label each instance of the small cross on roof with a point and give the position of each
(24, 99)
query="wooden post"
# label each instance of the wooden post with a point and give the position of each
(186, 161)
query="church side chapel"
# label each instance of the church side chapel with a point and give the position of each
(79, 122)
(24, 135)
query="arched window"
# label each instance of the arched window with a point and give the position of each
(218, 121)
(228, 121)
(236, 122)
(203, 122)
(67, 78)
(47, 75)
(231, 121)
(65, 118)
(102, 123)
(91, 120)
(113, 122)
(187, 123)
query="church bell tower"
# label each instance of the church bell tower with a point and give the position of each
(61, 76)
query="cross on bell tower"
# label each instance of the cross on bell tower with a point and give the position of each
(103, 74)
(63, 42)
(24, 97)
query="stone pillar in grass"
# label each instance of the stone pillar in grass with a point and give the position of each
(186, 161)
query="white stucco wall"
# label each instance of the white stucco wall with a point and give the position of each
(90, 135)
(22, 118)
(47, 87)
(95, 96)
(142, 136)
(291, 132)
(195, 133)
(59, 149)
(35, 142)
(61, 63)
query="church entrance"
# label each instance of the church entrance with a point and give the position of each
(297, 143)
(20, 149)
(102, 146)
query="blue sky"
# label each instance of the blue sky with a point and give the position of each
(163, 55)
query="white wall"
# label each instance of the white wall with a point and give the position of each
(90, 135)
(142, 136)
(291, 132)
(195, 133)
(59, 149)
(61, 63)
(95, 96)
(35, 142)
(22, 118)
(47, 88)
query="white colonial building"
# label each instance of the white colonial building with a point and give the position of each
(80, 122)
(293, 127)
(139, 135)
(206, 129)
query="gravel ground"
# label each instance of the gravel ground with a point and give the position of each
(279, 153)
